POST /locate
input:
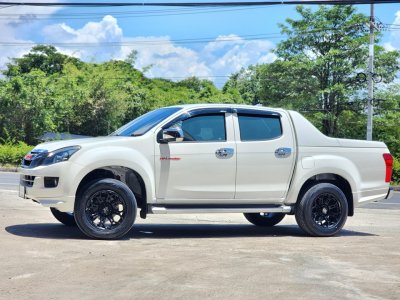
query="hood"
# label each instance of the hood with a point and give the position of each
(51, 146)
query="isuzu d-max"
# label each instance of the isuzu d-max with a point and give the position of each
(262, 162)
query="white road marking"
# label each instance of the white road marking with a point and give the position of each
(23, 276)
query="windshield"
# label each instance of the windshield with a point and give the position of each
(144, 123)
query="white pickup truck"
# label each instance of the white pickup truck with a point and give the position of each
(259, 161)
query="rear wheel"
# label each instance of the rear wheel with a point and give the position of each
(105, 209)
(264, 219)
(64, 217)
(322, 211)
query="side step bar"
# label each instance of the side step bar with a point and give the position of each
(197, 209)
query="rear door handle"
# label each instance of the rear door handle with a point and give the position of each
(283, 152)
(224, 153)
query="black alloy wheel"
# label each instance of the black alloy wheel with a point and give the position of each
(264, 219)
(106, 209)
(322, 211)
(326, 210)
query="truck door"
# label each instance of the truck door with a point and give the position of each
(203, 165)
(265, 155)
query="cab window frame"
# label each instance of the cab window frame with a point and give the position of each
(198, 113)
(259, 114)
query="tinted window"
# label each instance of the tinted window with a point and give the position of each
(203, 128)
(259, 128)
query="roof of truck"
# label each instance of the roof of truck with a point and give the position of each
(230, 105)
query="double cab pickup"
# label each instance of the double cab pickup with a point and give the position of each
(263, 162)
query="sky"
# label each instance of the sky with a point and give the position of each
(210, 43)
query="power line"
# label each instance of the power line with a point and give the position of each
(128, 14)
(123, 15)
(138, 42)
(153, 42)
(203, 4)
(147, 11)
(134, 12)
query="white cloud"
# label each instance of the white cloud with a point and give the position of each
(222, 56)
(222, 42)
(394, 40)
(389, 47)
(107, 30)
(19, 19)
(228, 54)
(168, 60)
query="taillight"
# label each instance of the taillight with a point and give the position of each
(389, 165)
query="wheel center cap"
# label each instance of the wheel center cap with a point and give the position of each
(325, 210)
(106, 210)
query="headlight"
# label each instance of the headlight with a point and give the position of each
(59, 155)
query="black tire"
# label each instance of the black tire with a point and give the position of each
(264, 219)
(66, 218)
(105, 209)
(322, 211)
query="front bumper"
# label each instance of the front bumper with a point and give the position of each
(32, 186)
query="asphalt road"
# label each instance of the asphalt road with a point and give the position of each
(9, 181)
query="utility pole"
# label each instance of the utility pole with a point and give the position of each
(370, 73)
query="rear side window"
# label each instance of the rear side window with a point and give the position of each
(259, 127)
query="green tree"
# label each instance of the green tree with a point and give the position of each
(330, 41)
(49, 91)
(26, 104)
(387, 118)
(132, 57)
(41, 57)
(317, 66)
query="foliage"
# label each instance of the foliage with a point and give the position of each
(315, 72)
(316, 69)
(13, 153)
(396, 171)
(48, 91)
(387, 118)
(41, 57)
(132, 57)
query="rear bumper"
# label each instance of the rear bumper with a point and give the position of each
(389, 193)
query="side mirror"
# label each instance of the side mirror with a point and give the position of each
(172, 135)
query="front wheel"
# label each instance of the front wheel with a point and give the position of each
(105, 209)
(322, 211)
(264, 219)
(64, 217)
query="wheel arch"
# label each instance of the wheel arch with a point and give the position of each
(335, 179)
(132, 178)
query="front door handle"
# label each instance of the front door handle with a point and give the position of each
(283, 152)
(224, 153)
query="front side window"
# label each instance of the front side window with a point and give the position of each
(203, 128)
(259, 127)
(144, 123)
